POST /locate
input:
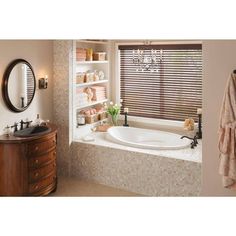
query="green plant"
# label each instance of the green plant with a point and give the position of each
(114, 111)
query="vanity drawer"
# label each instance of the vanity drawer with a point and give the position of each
(35, 187)
(39, 173)
(37, 148)
(39, 161)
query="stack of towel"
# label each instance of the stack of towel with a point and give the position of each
(99, 93)
(81, 97)
(88, 112)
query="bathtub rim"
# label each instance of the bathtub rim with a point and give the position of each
(132, 144)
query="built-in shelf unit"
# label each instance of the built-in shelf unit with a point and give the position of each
(84, 66)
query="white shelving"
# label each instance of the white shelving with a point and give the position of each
(83, 67)
(91, 62)
(93, 124)
(104, 42)
(92, 83)
(91, 104)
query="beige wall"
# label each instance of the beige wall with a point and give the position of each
(219, 59)
(39, 53)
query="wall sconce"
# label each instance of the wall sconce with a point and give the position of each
(43, 82)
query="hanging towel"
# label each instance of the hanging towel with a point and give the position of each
(227, 135)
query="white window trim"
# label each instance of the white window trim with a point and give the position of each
(163, 123)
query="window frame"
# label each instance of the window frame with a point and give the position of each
(171, 124)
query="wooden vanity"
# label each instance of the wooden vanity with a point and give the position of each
(28, 165)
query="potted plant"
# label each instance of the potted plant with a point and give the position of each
(114, 111)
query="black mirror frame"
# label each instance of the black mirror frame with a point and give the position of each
(5, 80)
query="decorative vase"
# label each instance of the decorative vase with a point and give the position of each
(114, 120)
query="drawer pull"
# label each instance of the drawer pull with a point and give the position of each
(36, 161)
(36, 174)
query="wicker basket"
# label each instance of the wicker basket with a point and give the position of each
(89, 77)
(102, 115)
(91, 119)
(99, 56)
(80, 54)
(80, 78)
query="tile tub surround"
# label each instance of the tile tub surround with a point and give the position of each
(147, 172)
(62, 78)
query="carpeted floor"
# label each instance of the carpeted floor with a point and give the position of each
(71, 187)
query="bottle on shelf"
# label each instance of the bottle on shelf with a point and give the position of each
(89, 54)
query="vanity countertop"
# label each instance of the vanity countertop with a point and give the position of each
(13, 139)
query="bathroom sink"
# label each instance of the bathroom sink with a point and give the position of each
(32, 131)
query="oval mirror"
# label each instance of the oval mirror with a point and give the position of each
(18, 87)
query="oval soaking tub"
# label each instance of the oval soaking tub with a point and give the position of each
(145, 138)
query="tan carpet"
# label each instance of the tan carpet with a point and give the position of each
(71, 187)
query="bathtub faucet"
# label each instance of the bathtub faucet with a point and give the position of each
(194, 140)
(199, 133)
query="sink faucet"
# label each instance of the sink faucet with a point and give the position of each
(27, 122)
(15, 126)
(22, 124)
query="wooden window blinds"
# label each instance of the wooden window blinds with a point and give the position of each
(174, 92)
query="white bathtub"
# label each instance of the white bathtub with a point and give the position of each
(145, 138)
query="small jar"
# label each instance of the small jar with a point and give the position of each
(81, 119)
(96, 76)
(7, 131)
(89, 77)
(101, 75)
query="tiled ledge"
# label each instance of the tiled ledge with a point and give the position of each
(187, 154)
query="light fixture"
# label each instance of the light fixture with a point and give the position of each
(43, 82)
(146, 59)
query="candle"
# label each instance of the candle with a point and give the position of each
(199, 111)
(126, 110)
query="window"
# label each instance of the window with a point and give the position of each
(174, 92)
